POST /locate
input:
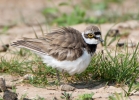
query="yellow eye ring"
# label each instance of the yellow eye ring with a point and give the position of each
(90, 35)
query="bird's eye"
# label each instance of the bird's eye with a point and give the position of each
(90, 35)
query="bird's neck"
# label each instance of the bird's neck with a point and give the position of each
(91, 48)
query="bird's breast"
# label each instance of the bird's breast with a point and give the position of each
(72, 67)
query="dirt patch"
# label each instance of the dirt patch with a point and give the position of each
(101, 91)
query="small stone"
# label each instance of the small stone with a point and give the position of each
(4, 48)
(8, 95)
(67, 88)
(10, 85)
(55, 98)
(120, 44)
(131, 45)
(28, 76)
(129, 24)
(2, 85)
(114, 32)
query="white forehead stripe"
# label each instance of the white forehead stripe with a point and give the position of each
(97, 35)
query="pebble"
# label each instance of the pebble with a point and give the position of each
(28, 76)
(2, 85)
(8, 95)
(67, 88)
(4, 48)
(114, 32)
(129, 24)
(130, 45)
(120, 44)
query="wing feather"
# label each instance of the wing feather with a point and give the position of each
(63, 44)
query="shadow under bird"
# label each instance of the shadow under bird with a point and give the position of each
(66, 49)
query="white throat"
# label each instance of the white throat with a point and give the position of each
(90, 41)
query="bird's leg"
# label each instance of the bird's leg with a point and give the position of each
(71, 79)
(64, 76)
(58, 76)
(66, 87)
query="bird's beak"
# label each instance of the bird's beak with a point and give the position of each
(100, 39)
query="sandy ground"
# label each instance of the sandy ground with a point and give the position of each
(21, 16)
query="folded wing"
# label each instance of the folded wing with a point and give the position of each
(63, 44)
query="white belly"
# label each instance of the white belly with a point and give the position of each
(72, 67)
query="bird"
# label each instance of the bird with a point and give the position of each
(65, 49)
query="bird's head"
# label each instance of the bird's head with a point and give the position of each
(92, 35)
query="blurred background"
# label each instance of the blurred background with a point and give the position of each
(66, 12)
(21, 18)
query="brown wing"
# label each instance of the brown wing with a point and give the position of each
(63, 44)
